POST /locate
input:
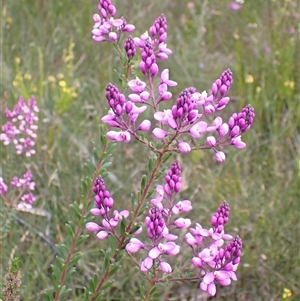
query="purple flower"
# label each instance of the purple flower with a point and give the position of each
(20, 127)
(134, 245)
(198, 129)
(118, 136)
(102, 200)
(208, 285)
(165, 267)
(221, 217)
(235, 6)
(136, 85)
(159, 133)
(184, 147)
(144, 126)
(220, 157)
(3, 187)
(241, 122)
(148, 64)
(182, 223)
(182, 206)
(129, 48)
(147, 264)
(158, 30)
(173, 179)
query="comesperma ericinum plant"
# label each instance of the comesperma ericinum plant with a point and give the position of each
(192, 122)
(182, 128)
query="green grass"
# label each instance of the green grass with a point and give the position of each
(260, 183)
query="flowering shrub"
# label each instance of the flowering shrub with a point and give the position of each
(20, 130)
(184, 127)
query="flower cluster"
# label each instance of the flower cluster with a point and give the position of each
(188, 117)
(160, 222)
(215, 264)
(106, 28)
(103, 204)
(21, 126)
(20, 130)
(193, 116)
(21, 188)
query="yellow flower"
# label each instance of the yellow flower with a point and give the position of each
(287, 293)
(62, 83)
(17, 60)
(51, 79)
(290, 84)
(15, 83)
(27, 76)
(258, 89)
(249, 79)
(60, 76)
(8, 20)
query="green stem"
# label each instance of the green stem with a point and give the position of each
(78, 228)
(131, 224)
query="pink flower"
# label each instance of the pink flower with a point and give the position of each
(235, 6)
(184, 206)
(216, 124)
(182, 223)
(159, 133)
(208, 285)
(3, 187)
(166, 117)
(91, 226)
(118, 136)
(198, 129)
(165, 248)
(220, 157)
(165, 267)
(136, 85)
(211, 141)
(184, 147)
(144, 126)
(146, 264)
(237, 142)
(118, 217)
(164, 78)
(134, 245)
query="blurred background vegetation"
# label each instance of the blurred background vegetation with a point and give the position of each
(47, 51)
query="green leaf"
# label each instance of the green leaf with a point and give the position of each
(122, 226)
(75, 258)
(95, 156)
(76, 209)
(110, 147)
(48, 295)
(113, 269)
(70, 227)
(143, 182)
(63, 291)
(105, 165)
(120, 256)
(142, 291)
(151, 164)
(133, 203)
(143, 209)
(84, 187)
(107, 284)
(153, 291)
(69, 273)
(166, 157)
(135, 228)
(81, 239)
(106, 262)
